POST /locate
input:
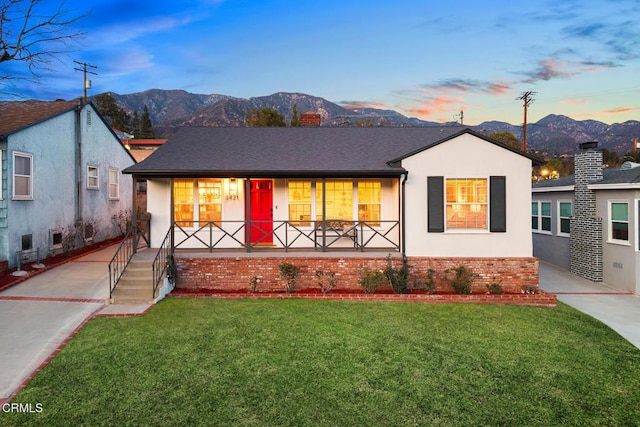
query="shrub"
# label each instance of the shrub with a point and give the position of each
(430, 282)
(253, 284)
(370, 279)
(398, 276)
(326, 281)
(495, 288)
(289, 274)
(461, 281)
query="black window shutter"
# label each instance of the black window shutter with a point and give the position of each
(435, 204)
(498, 204)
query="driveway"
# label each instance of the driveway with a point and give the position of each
(618, 310)
(40, 314)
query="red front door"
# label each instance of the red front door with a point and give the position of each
(261, 211)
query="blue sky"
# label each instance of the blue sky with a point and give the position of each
(425, 59)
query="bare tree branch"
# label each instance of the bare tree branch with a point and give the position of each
(33, 37)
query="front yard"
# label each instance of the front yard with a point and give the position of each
(336, 363)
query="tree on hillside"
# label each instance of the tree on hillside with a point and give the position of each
(507, 138)
(264, 117)
(146, 128)
(31, 36)
(115, 115)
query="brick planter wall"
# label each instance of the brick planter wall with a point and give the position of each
(228, 274)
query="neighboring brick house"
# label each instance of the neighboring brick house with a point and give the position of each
(440, 197)
(588, 223)
(61, 166)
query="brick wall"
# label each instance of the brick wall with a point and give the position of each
(234, 274)
(586, 227)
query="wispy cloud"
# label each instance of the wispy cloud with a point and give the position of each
(126, 32)
(470, 85)
(353, 105)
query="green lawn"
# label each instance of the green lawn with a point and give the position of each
(337, 363)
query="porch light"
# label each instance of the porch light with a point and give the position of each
(233, 189)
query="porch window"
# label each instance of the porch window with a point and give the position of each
(466, 203)
(619, 221)
(210, 199)
(197, 201)
(300, 203)
(183, 202)
(369, 197)
(339, 205)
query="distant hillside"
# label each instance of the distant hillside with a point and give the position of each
(171, 109)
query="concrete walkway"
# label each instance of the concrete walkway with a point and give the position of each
(40, 314)
(617, 309)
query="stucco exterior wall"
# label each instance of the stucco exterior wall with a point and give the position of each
(52, 145)
(620, 260)
(553, 247)
(469, 157)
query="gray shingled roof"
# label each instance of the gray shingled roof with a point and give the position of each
(609, 176)
(277, 152)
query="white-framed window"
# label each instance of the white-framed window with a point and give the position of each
(22, 176)
(618, 223)
(114, 184)
(299, 203)
(197, 201)
(93, 177)
(466, 204)
(565, 211)
(347, 200)
(541, 216)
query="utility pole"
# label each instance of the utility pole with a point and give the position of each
(527, 99)
(461, 116)
(86, 84)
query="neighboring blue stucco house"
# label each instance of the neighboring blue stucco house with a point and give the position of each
(61, 169)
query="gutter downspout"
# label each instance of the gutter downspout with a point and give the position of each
(402, 218)
(78, 161)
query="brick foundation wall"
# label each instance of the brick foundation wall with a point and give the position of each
(234, 274)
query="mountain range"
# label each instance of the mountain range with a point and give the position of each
(171, 109)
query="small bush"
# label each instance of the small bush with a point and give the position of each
(430, 282)
(461, 281)
(495, 288)
(370, 279)
(398, 277)
(253, 284)
(289, 274)
(326, 281)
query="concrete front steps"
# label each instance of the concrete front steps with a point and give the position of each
(136, 284)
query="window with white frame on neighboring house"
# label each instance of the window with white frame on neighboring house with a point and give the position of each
(93, 182)
(197, 201)
(22, 176)
(114, 184)
(619, 221)
(565, 210)
(541, 216)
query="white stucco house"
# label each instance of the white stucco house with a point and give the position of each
(61, 167)
(588, 223)
(433, 196)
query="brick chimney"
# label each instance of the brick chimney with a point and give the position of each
(310, 119)
(586, 227)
